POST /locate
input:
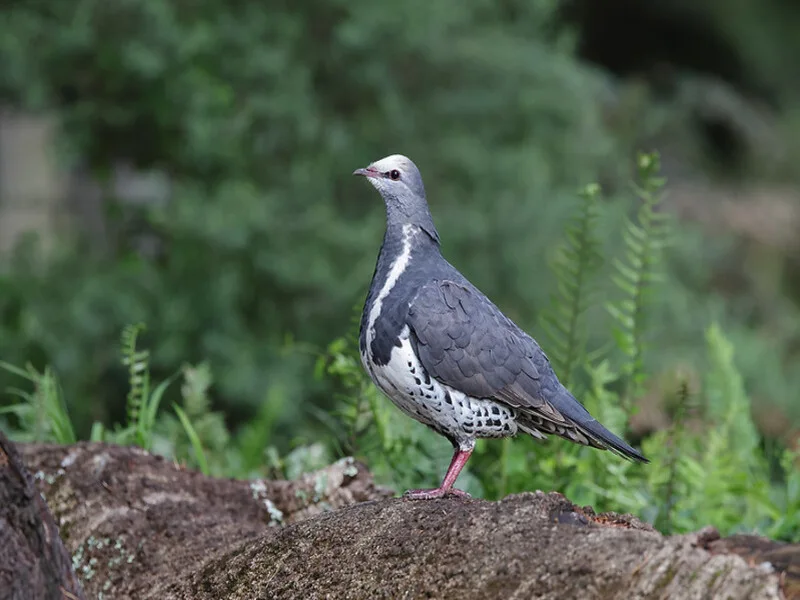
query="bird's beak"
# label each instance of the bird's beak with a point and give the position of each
(368, 172)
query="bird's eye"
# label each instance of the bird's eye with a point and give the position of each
(394, 174)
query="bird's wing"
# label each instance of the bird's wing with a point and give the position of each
(465, 342)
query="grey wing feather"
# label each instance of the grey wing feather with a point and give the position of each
(464, 341)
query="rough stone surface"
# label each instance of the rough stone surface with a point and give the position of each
(132, 520)
(756, 550)
(33, 560)
(527, 546)
(141, 527)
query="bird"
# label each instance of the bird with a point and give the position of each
(444, 353)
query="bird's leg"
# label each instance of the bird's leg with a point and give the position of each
(460, 458)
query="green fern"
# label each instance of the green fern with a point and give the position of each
(672, 455)
(786, 513)
(138, 365)
(727, 403)
(635, 275)
(728, 479)
(142, 404)
(575, 264)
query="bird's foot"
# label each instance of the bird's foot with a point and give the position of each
(435, 493)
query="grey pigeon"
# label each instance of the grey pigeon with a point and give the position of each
(444, 354)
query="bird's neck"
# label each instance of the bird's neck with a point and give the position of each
(404, 244)
(402, 241)
(418, 216)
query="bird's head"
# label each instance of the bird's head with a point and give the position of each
(400, 184)
(395, 176)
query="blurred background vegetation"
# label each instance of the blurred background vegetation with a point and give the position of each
(186, 165)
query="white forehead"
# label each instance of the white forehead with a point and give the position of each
(395, 161)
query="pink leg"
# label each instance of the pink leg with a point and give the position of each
(460, 458)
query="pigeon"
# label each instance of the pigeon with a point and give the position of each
(444, 354)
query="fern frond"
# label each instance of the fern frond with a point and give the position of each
(727, 402)
(664, 520)
(576, 262)
(634, 275)
(138, 365)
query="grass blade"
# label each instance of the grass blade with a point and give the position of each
(98, 432)
(193, 438)
(147, 414)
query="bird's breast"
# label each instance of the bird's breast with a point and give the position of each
(381, 322)
(446, 410)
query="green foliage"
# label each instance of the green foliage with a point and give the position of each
(785, 501)
(575, 265)
(194, 439)
(42, 413)
(142, 403)
(722, 475)
(257, 115)
(138, 369)
(672, 457)
(264, 244)
(644, 241)
(198, 433)
(726, 399)
(185, 435)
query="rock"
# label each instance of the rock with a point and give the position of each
(517, 548)
(132, 520)
(139, 526)
(33, 560)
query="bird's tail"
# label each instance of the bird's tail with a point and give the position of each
(581, 427)
(595, 430)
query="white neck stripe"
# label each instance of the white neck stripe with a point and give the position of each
(395, 271)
